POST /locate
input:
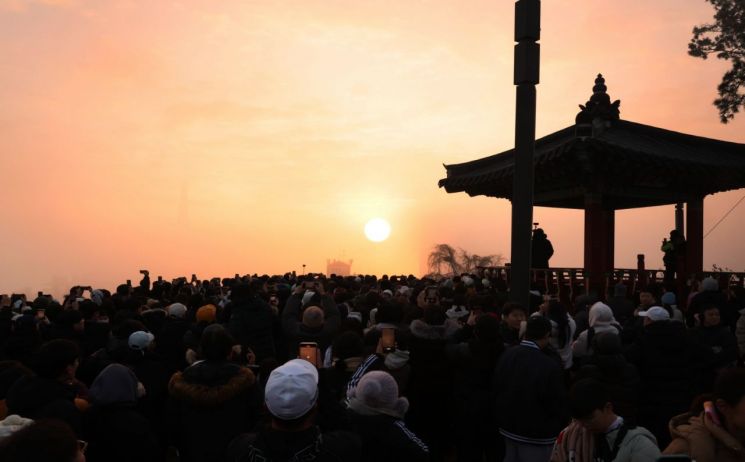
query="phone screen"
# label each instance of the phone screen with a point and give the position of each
(40, 314)
(309, 352)
(388, 339)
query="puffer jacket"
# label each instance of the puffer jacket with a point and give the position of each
(211, 402)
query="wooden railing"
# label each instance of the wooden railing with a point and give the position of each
(568, 283)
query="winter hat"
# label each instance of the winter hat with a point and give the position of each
(709, 285)
(12, 424)
(355, 315)
(97, 297)
(388, 292)
(115, 384)
(177, 310)
(485, 282)
(655, 313)
(668, 298)
(467, 281)
(377, 393)
(456, 312)
(140, 340)
(307, 296)
(601, 315)
(292, 389)
(207, 313)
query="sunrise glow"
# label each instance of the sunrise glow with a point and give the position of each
(233, 136)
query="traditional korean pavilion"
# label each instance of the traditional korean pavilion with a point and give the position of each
(602, 164)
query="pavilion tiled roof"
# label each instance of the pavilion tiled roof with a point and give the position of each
(630, 164)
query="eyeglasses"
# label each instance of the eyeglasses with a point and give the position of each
(82, 446)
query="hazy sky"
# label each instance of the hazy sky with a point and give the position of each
(255, 136)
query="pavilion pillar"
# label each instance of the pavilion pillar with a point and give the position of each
(599, 242)
(695, 236)
(679, 218)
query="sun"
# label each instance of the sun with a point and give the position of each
(377, 230)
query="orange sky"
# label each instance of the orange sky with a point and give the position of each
(238, 136)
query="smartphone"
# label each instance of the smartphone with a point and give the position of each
(160, 278)
(40, 314)
(709, 409)
(129, 282)
(309, 351)
(388, 339)
(40, 294)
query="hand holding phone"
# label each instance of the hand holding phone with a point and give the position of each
(309, 351)
(710, 411)
(388, 339)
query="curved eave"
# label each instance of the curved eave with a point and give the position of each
(692, 165)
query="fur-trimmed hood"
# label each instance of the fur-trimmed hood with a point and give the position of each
(206, 384)
(422, 330)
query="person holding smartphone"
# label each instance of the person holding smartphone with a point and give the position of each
(719, 433)
(310, 323)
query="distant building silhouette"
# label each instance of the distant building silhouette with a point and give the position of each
(338, 267)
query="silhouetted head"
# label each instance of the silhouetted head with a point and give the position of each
(216, 343)
(313, 317)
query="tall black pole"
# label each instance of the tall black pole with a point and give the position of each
(527, 58)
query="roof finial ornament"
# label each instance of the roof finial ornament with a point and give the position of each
(598, 106)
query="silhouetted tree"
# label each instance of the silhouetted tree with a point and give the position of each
(725, 38)
(458, 261)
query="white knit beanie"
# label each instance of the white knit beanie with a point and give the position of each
(377, 391)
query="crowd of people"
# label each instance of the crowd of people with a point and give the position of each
(361, 368)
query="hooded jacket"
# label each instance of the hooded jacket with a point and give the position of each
(576, 444)
(601, 320)
(114, 429)
(210, 403)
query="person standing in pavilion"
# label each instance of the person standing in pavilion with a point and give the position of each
(542, 250)
(672, 248)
